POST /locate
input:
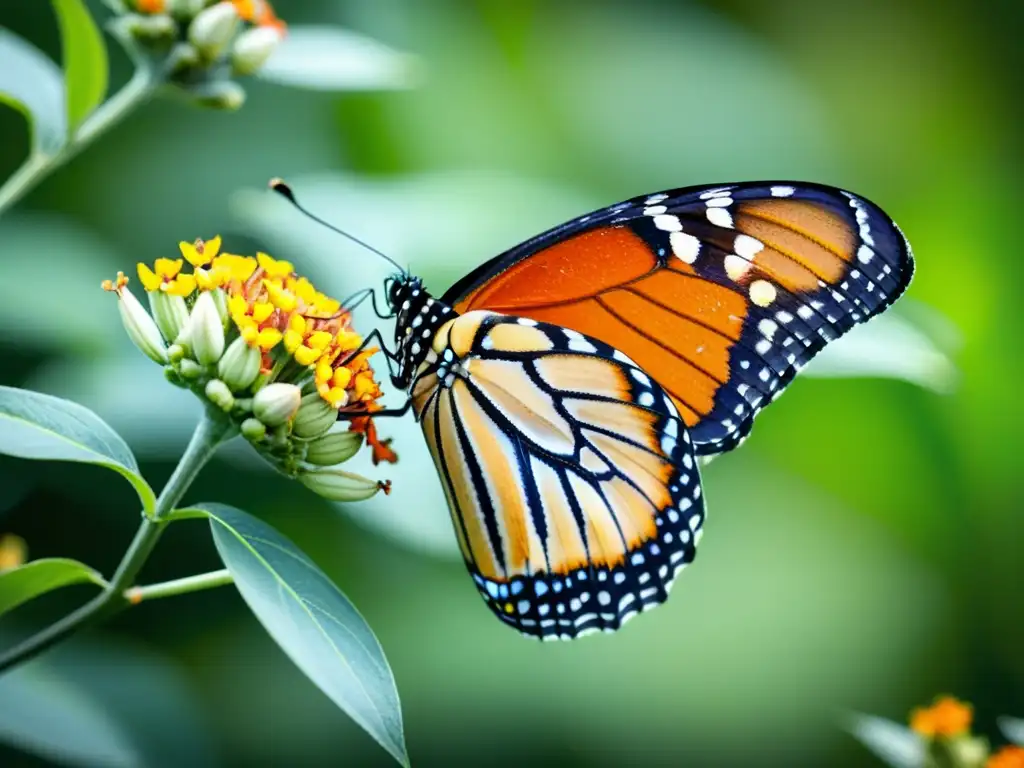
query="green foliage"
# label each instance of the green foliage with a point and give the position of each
(312, 621)
(332, 59)
(85, 60)
(21, 584)
(38, 426)
(44, 714)
(31, 83)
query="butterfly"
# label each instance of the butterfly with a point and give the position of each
(568, 387)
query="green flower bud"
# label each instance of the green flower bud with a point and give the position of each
(315, 416)
(173, 376)
(276, 403)
(205, 331)
(140, 327)
(190, 369)
(221, 300)
(182, 60)
(156, 30)
(253, 430)
(175, 352)
(240, 365)
(252, 49)
(186, 10)
(212, 29)
(334, 448)
(217, 392)
(219, 94)
(170, 313)
(335, 485)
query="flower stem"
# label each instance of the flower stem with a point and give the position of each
(200, 581)
(40, 165)
(213, 429)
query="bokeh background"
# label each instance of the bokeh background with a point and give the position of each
(865, 548)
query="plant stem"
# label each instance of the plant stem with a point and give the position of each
(213, 429)
(200, 581)
(40, 165)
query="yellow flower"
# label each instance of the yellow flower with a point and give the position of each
(166, 276)
(274, 268)
(1007, 757)
(946, 717)
(200, 253)
(258, 12)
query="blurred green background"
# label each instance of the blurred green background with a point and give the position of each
(865, 547)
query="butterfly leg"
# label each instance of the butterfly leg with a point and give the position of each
(389, 412)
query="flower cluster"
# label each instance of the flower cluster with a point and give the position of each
(257, 340)
(940, 736)
(202, 43)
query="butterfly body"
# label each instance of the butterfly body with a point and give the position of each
(566, 388)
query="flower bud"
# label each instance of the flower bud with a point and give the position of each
(252, 49)
(152, 31)
(315, 416)
(336, 485)
(140, 327)
(217, 392)
(253, 430)
(219, 94)
(276, 403)
(221, 300)
(334, 448)
(173, 376)
(186, 10)
(212, 29)
(175, 353)
(170, 313)
(190, 369)
(240, 365)
(205, 331)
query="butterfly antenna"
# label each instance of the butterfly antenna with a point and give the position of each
(285, 191)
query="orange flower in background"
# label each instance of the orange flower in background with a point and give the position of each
(258, 12)
(1007, 757)
(946, 717)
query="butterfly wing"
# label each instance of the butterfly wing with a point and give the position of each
(721, 294)
(570, 476)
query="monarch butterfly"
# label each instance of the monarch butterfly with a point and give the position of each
(567, 387)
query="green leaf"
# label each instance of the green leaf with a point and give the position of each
(38, 426)
(309, 617)
(334, 59)
(85, 59)
(42, 713)
(18, 585)
(31, 83)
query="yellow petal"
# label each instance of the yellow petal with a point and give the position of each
(250, 333)
(238, 307)
(297, 323)
(261, 310)
(149, 279)
(305, 290)
(341, 377)
(281, 298)
(168, 268)
(323, 371)
(207, 279)
(273, 267)
(236, 267)
(182, 285)
(192, 254)
(319, 340)
(306, 356)
(365, 386)
(348, 340)
(292, 340)
(336, 397)
(211, 248)
(269, 337)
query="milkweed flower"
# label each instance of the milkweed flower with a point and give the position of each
(204, 43)
(1007, 757)
(257, 340)
(947, 716)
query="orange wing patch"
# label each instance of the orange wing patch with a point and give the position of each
(585, 265)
